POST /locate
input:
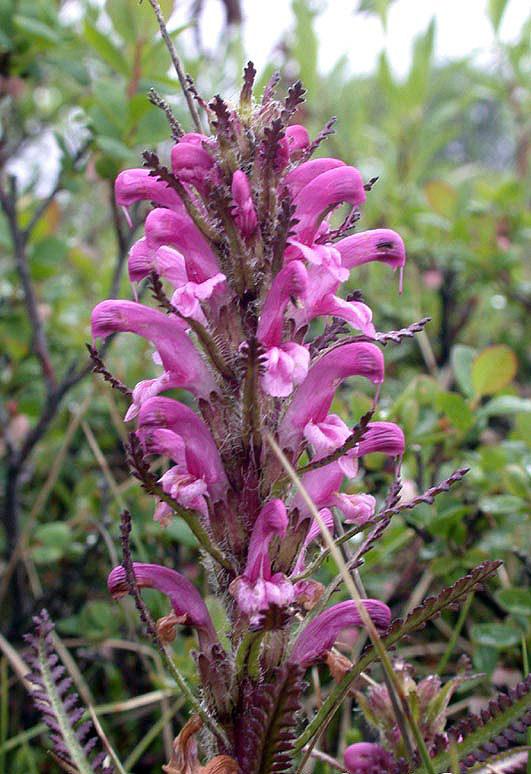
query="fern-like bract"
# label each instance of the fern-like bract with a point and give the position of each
(60, 706)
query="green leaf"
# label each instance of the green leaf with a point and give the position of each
(495, 635)
(305, 46)
(107, 51)
(462, 358)
(496, 9)
(505, 404)
(57, 533)
(493, 369)
(456, 409)
(36, 28)
(116, 149)
(134, 21)
(517, 601)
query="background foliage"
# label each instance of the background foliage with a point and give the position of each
(450, 145)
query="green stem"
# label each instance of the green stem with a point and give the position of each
(455, 634)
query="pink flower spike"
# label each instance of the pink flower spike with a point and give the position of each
(380, 244)
(200, 452)
(244, 211)
(290, 281)
(323, 193)
(134, 185)
(191, 163)
(297, 178)
(320, 634)
(165, 227)
(368, 758)
(178, 353)
(314, 396)
(185, 599)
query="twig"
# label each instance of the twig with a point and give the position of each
(177, 64)
(19, 238)
(176, 129)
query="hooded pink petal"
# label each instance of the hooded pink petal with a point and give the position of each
(178, 354)
(380, 244)
(320, 634)
(183, 595)
(290, 281)
(297, 138)
(324, 192)
(165, 227)
(385, 437)
(133, 185)
(300, 176)
(191, 163)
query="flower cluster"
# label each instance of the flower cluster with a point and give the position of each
(243, 258)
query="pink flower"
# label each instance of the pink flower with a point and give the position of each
(185, 599)
(323, 193)
(285, 367)
(165, 227)
(368, 758)
(200, 455)
(179, 356)
(356, 508)
(286, 364)
(314, 396)
(321, 633)
(192, 164)
(380, 244)
(326, 436)
(133, 185)
(257, 589)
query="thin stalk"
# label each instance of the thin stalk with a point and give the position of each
(455, 634)
(397, 697)
(177, 64)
